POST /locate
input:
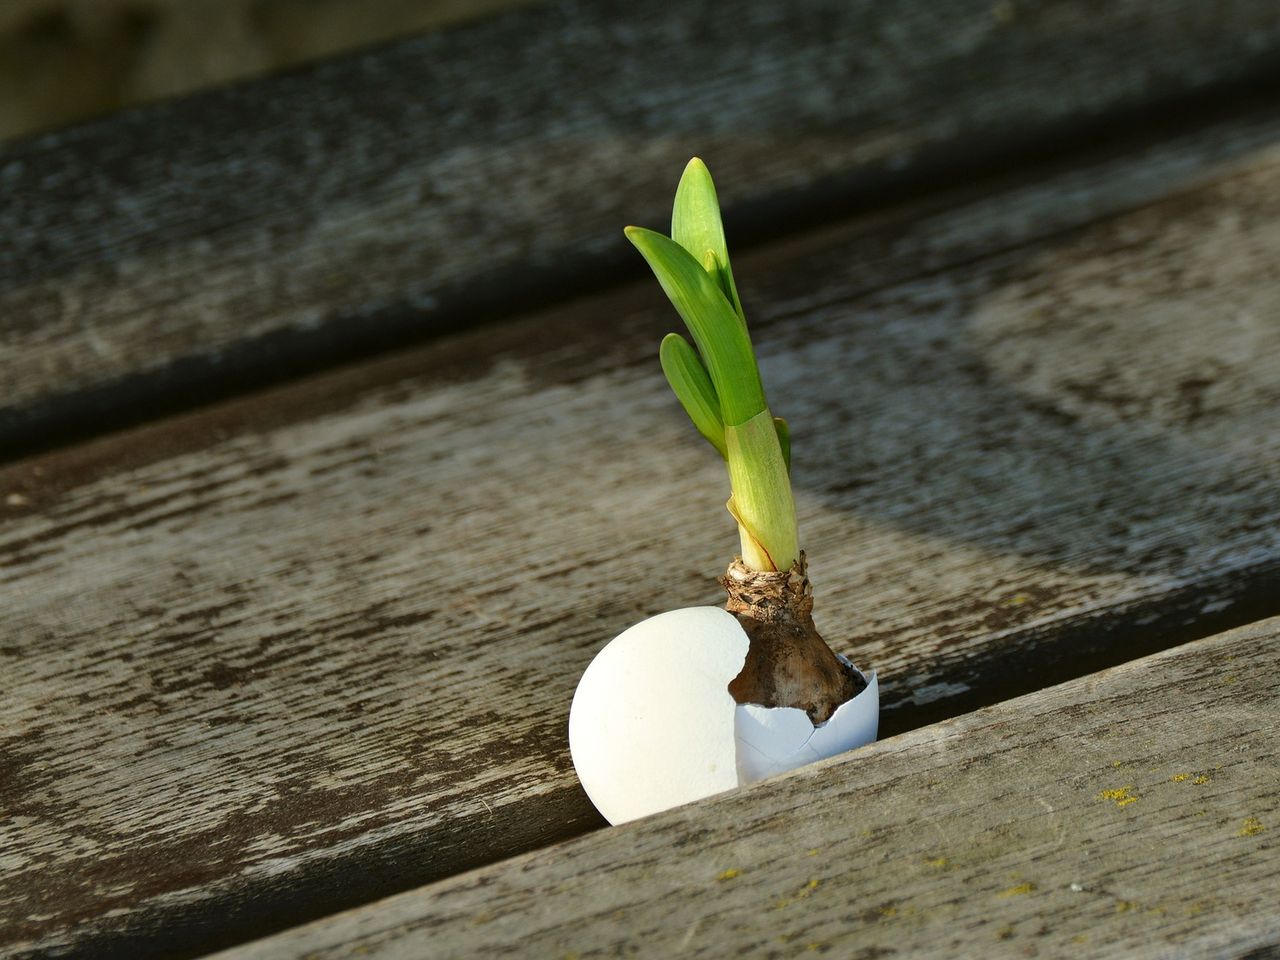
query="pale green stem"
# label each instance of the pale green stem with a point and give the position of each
(762, 502)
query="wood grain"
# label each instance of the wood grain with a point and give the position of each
(1133, 812)
(304, 649)
(185, 250)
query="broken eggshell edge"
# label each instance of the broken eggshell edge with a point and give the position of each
(653, 725)
(772, 740)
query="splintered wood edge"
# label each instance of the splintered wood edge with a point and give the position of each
(1135, 810)
(180, 251)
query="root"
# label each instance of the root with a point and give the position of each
(788, 664)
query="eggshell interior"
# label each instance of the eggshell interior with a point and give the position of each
(653, 725)
(652, 722)
(772, 740)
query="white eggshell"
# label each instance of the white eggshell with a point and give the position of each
(773, 740)
(652, 721)
(653, 725)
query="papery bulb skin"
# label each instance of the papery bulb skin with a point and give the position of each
(789, 664)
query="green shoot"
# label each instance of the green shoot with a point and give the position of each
(692, 385)
(718, 384)
(696, 226)
(717, 330)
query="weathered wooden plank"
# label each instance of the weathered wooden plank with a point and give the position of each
(173, 252)
(1132, 812)
(299, 650)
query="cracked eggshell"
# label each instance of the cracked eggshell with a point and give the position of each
(773, 740)
(653, 725)
(652, 721)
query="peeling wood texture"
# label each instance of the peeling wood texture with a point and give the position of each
(300, 650)
(179, 251)
(1133, 812)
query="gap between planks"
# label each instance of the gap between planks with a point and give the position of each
(1134, 812)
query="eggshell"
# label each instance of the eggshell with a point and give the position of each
(772, 740)
(653, 725)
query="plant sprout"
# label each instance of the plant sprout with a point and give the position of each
(695, 701)
(717, 381)
(718, 384)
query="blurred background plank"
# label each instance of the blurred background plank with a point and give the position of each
(292, 652)
(192, 249)
(1084, 818)
(63, 61)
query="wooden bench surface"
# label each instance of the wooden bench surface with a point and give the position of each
(177, 252)
(311, 645)
(332, 631)
(1132, 812)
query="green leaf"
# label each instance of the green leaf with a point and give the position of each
(696, 226)
(718, 331)
(692, 385)
(784, 440)
(711, 264)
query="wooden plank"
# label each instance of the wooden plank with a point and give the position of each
(307, 648)
(188, 249)
(1087, 818)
